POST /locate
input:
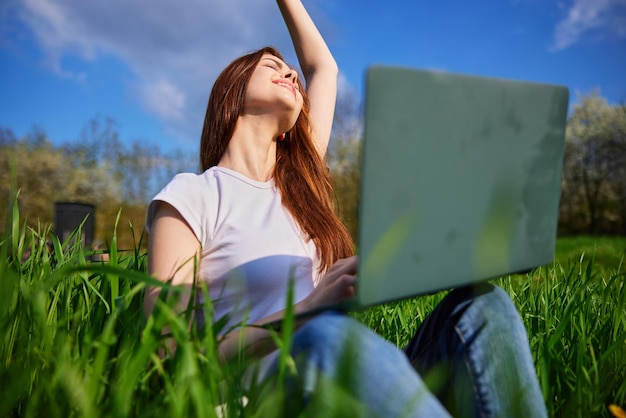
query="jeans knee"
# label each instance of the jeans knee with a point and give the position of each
(324, 327)
(325, 332)
(498, 302)
(326, 342)
(492, 311)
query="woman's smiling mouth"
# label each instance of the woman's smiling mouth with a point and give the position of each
(287, 85)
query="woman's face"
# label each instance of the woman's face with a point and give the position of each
(273, 88)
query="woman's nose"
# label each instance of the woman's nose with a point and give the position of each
(291, 75)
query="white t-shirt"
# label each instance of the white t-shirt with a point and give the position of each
(251, 246)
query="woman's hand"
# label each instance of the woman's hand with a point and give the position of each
(337, 284)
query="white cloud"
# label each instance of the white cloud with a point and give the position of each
(583, 16)
(174, 48)
(164, 100)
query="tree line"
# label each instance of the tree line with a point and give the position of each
(593, 199)
(118, 177)
(97, 168)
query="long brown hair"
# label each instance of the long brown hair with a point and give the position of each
(300, 173)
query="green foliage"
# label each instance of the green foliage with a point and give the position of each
(576, 321)
(97, 169)
(607, 253)
(594, 169)
(575, 314)
(43, 175)
(345, 167)
(75, 341)
(343, 159)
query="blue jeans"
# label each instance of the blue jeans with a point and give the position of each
(470, 357)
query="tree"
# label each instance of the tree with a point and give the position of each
(594, 174)
(344, 159)
(97, 169)
(38, 174)
(45, 174)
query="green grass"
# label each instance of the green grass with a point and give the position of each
(606, 252)
(75, 342)
(574, 311)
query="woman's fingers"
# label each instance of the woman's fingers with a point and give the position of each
(337, 287)
(344, 266)
(337, 284)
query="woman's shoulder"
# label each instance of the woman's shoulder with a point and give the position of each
(193, 195)
(205, 183)
(182, 179)
(210, 187)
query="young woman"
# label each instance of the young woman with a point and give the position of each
(261, 213)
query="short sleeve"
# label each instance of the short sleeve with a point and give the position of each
(187, 194)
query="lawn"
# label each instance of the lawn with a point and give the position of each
(574, 311)
(75, 341)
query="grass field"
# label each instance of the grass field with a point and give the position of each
(75, 342)
(574, 311)
(606, 252)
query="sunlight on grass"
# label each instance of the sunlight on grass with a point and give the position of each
(75, 341)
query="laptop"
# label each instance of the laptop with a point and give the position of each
(460, 181)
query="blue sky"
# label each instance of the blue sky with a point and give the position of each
(150, 64)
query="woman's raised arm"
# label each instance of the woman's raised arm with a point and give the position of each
(318, 68)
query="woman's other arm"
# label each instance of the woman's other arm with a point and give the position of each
(173, 253)
(336, 285)
(171, 250)
(318, 67)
